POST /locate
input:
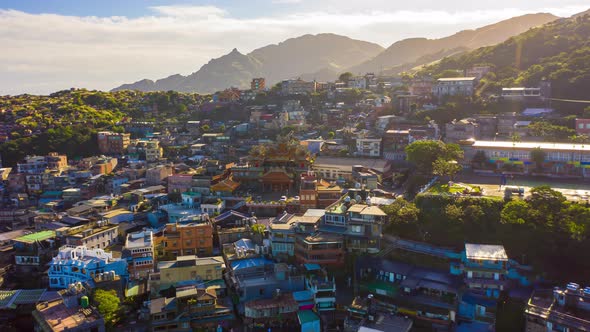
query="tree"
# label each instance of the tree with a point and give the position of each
(345, 77)
(479, 158)
(515, 212)
(205, 128)
(442, 167)
(401, 212)
(108, 305)
(331, 135)
(424, 153)
(258, 228)
(538, 156)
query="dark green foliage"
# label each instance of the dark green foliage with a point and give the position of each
(544, 230)
(558, 52)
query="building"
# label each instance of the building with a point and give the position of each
(521, 93)
(63, 314)
(56, 161)
(192, 308)
(583, 127)
(140, 255)
(113, 143)
(336, 168)
(81, 264)
(179, 183)
(320, 248)
(560, 309)
(156, 175)
(297, 87)
(485, 268)
(564, 159)
(368, 147)
(93, 235)
(149, 150)
(454, 86)
(184, 269)
(32, 165)
(364, 228)
(460, 130)
(478, 71)
(194, 238)
(258, 84)
(33, 251)
(284, 229)
(421, 87)
(427, 295)
(357, 82)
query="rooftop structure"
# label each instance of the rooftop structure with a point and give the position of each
(485, 252)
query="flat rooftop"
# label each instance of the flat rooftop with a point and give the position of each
(485, 252)
(35, 237)
(531, 145)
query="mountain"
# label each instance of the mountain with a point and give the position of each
(558, 52)
(288, 59)
(410, 50)
(311, 53)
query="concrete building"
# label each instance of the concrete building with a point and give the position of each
(335, 168)
(459, 130)
(285, 228)
(583, 127)
(485, 268)
(258, 84)
(63, 314)
(93, 235)
(454, 86)
(140, 254)
(184, 269)
(149, 150)
(194, 238)
(565, 159)
(113, 143)
(297, 87)
(81, 264)
(156, 175)
(368, 147)
(560, 309)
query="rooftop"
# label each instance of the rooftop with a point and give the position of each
(58, 317)
(532, 145)
(456, 79)
(485, 252)
(36, 237)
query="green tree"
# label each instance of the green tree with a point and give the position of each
(345, 77)
(108, 305)
(205, 128)
(401, 212)
(259, 229)
(442, 167)
(515, 212)
(424, 153)
(538, 157)
(331, 135)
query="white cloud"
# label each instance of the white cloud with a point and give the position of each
(46, 52)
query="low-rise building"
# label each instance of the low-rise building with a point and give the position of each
(156, 175)
(485, 268)
(297, 87)
(560, 309)
(140, 254)
(285, 228)
(64, 314)
(81, 264)
(184, 269)
(320, 248)
(98, 235)
(368, 147)
(454, 86)
(194, 238)
(460, 130)
(113, 143)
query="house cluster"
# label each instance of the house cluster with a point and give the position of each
(209, 222)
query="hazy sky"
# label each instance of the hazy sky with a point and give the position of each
(49, 45)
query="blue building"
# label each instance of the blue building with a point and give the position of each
(485, 268)
(80, 264)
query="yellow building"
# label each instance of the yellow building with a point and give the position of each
(186, 268)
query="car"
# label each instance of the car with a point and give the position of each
(283, 199)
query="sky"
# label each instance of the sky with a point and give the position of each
(51, 45)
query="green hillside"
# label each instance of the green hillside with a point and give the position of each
(558, 51)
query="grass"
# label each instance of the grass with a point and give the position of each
(444, 188)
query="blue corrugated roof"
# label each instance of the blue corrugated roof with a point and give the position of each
(312, 267)
(249, 262)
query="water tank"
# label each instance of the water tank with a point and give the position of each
(84, 302)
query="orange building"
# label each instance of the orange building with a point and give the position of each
(195, 238)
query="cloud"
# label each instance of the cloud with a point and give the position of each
(42, 53)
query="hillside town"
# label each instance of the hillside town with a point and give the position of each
(290, 208)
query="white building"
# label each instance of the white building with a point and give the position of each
(454, 86)
(368, 147)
